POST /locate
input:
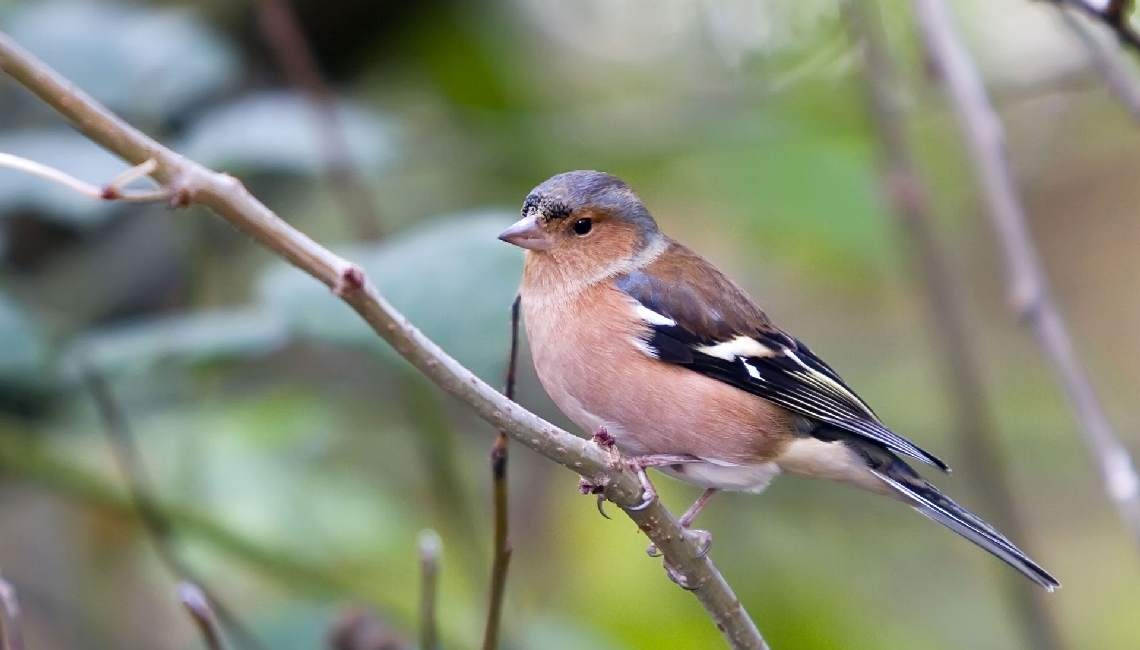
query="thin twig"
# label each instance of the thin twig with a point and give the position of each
(359, 629)
(973, 421)
(430, 548)
(141, 489)
(501, 550)
(11, 632)
(1115, 14)
(1029, 289)
(1111, 62)
(229, 199)
(112, 191)
(197, 604)
(280, 28)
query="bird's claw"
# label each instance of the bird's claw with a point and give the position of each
(703, 538)
(678, 578)
(648, 492)
(586, 487)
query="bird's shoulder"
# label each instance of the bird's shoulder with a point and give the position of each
(695, 294)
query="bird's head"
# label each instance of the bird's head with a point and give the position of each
(582, 222)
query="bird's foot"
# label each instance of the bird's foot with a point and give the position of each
(586, 487)
(679, 578)
(638, 465)
(648, 492)
(703, 538)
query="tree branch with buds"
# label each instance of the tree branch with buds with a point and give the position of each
(1029, 290)
(190, 183)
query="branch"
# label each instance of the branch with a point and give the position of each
(197, 604)
(113, 191)
(230, 200)
(359, 629)
(501, 549)
(11, 635)
(1110, 61)
(430, 547)
(1115, 14)
(908, 197)
(1028, 286)
(280, 28)
(141, 490)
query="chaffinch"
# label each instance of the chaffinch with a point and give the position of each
(644, 342)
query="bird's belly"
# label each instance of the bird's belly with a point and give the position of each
(653, 408)
(744, 478)
(587, 355)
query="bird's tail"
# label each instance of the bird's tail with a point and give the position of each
(926, 499)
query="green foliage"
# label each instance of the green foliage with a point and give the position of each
(279, 132)
(451, 277)
(23, 352)
(200, 337)
(149, 63)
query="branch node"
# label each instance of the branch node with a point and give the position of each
(179, 196)
(350, 280)
(198, 606)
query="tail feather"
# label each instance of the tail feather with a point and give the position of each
(931, 503)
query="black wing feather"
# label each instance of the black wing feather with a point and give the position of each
(791, 376)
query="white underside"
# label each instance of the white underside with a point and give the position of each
(739, 478)
(808, 457)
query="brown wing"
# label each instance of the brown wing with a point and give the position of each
(701, 320)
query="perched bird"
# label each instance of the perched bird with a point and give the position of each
(641, 340)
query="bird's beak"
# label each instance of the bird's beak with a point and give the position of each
(525, 233)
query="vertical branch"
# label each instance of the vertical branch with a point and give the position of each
(502, 547)
(430, 547)
(154, 521)
(359, 629)
(280, 28)
(436, 445)
(1029, 290)
(973, 421)
(1110, 61)
(197, 605)
(1115, 14)
(11, 634)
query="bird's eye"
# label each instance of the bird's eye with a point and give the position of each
(582, 227)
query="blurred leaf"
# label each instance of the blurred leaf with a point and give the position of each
(558, 634)
(452, 278)
(774, 194)
(278, 131)
(189, 338)
(143, 62)
(67, 151)
(22, 350)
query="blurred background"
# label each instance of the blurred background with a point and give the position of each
(297, 459)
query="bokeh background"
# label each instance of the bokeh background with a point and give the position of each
(299, 459)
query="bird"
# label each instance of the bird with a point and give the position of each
(642, 342)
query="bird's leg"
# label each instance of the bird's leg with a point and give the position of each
(639, 464)
(698, 505)
(704, 537)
